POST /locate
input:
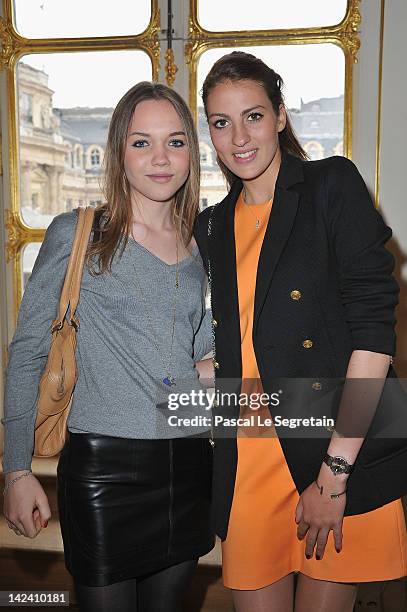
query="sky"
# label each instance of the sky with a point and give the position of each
(253, 15)
(91, 79)
(49, 18)
(56, 19)
(308, 71)
(101, 78)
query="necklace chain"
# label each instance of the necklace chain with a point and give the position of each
(169, 380)
(248, 206)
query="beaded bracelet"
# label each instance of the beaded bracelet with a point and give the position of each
(333, 495)
(15, 480)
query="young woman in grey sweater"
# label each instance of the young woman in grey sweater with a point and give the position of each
(133, 490)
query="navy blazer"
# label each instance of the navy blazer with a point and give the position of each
(324, 241)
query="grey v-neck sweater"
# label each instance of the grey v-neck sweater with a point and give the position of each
(122, 353)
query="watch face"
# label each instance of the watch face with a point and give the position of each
(339, 465)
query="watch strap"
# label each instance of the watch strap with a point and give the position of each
(328, 459)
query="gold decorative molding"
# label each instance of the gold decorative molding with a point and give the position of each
(5, 356)
(170, 67)
(349, 35)
(13, 45)
(151, 42)
(19, 235)
(355, 17)
(195, 37)
(10, 45)
(14, 235)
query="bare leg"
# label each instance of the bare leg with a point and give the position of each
(324, 596)
(276, 597)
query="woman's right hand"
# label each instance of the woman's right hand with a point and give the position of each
(26, 506)
(206, 372)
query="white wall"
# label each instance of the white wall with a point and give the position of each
(393, 157)
(391, 192)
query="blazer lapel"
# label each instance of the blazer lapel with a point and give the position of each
(278, 229)
(222, 254)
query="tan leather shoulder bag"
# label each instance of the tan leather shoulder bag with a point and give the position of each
(60, 374)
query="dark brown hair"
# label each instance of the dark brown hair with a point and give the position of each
(239, 66)
(117, 212)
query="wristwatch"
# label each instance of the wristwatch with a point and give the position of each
(338, 465)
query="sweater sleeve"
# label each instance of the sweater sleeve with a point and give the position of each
(369, 292)
(203, 337)
(28, 350)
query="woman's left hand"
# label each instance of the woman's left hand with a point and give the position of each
(317, 514)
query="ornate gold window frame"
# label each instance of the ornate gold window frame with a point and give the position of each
(14, 46)
(345, 35)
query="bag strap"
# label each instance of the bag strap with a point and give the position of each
(73, 277)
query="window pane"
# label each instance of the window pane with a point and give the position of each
(314, 97)
(79, 19)
(63, 122)
(29, 256)
(258, 15)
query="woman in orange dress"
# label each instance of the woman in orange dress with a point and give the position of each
(276, 500)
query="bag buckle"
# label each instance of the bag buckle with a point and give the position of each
(57, 326)
(74, 323)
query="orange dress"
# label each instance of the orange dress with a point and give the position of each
(261, 545)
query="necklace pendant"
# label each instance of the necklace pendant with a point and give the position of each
(169, 381)
(257, 224)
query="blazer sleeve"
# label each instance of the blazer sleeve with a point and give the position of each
(369, 292)
(28, 350)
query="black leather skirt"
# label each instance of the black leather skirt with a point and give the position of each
(130, 507)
